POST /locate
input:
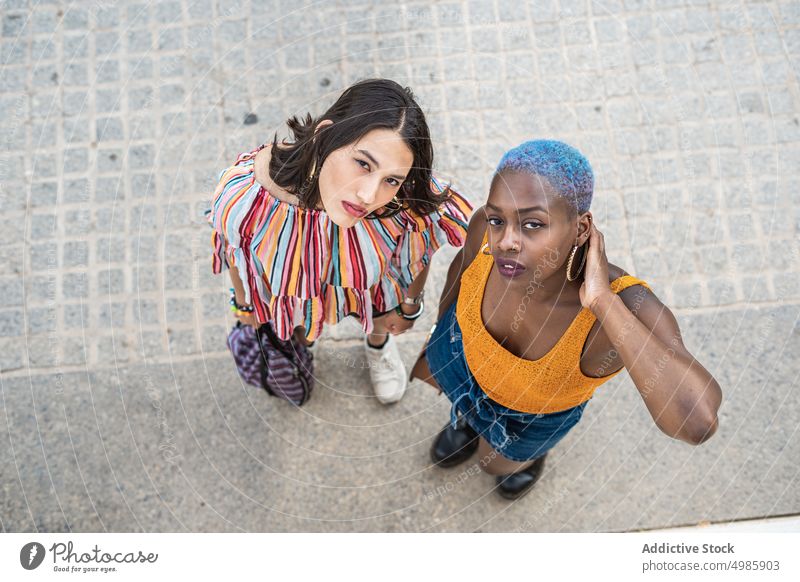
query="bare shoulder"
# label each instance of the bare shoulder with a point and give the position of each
(636, 296)
(261, 175)
(475, 232)
(260, 164)
(649, 309)
(615, 272)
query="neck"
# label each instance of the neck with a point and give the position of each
(550, 291)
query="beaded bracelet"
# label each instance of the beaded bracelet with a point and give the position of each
(239, 309)
(238, 312)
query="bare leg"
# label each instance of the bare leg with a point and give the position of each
(494, 463)
(379, 333)
(386, 369)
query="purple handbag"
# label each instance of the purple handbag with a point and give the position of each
(285, 369)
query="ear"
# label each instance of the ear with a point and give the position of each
(322, 124)
(584, 227)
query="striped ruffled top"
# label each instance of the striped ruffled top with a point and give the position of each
(300, 268)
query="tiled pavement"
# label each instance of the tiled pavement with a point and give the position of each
(121, 408)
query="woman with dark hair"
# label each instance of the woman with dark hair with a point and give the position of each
(341, 220)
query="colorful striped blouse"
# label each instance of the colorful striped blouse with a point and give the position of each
(300, 268)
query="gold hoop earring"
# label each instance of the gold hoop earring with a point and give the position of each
(395, 204)
(313, 169)
(486, 250)
(570, 277)
(309, 180)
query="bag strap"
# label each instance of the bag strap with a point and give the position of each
(274, 342)
(277, 344)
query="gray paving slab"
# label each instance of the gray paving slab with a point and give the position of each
(188, 447)
(121, 409)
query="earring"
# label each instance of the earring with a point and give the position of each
(394, 204)
(570, 277)
(486, 250)
(310, 179)
(313, 169)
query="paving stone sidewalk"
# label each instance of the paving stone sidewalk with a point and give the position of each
(121, 409)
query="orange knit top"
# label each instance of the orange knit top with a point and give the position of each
(552, 383)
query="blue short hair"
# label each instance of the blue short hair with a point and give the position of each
(567, 170)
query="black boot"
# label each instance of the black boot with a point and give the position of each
(516, 485)
(454, 445)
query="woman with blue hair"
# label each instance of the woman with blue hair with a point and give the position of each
(533, 319)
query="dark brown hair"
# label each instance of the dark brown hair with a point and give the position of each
(364, 106)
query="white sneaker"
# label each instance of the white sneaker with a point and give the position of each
(387, 371)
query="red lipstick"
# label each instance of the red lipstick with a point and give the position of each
(509, 268)
(354, 209)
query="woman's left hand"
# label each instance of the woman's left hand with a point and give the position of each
(396, 324)
(595, 276)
